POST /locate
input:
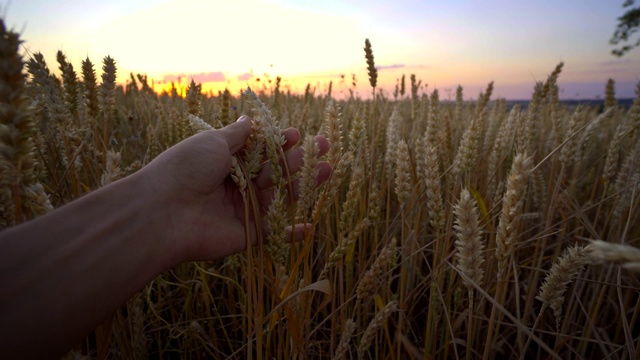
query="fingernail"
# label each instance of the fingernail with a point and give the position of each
(243, 118)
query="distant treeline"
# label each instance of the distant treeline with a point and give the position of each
(624, 103)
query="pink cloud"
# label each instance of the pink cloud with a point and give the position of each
(245, 76)
(173, 77)
(393, 66)
(214, 76)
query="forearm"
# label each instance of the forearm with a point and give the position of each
(64, 273)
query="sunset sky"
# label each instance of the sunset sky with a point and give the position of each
(445, 43)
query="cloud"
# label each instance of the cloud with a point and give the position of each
(401, 66)
(245, 76)
(393, 66)
(214, 76)
(173, 77)
(323, 76)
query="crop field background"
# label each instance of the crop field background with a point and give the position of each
(448, 229)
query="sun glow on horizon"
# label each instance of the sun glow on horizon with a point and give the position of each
(230, 44)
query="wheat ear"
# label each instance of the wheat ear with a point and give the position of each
(344, 246)
(555, 284)
(345, 339)
(512, 204)
(17, 129)
(369, 281)
(374, 326)
(403, 173)
(469, 243)
(624, 255)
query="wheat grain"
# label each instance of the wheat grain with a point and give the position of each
(551, 293)
(70, 82)
(352, 202)
(112, 170)
(238, 177)
(342, 248)
(276, 221)
(89, 76)
(611, 163)
(345, 339)
(626, 256)
(415, 86)
(469, 243)
(467, 151)
(358, 140)
(570, 149)
(512, 204)
(308, 176)
(403, 173)
(369, 281)
(429, 172)
(374, 326)
(197, 124)
(193, 99)
(371, 67)
(393, 134)
(526, 131)
(225, 107)
(253, 153)
(333, 131)
(17, 129)
(106, 92)
(626, 181)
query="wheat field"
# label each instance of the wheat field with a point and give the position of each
(464, 229)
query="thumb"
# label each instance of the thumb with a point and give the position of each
(236, 134)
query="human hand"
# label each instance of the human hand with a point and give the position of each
(203, 210)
